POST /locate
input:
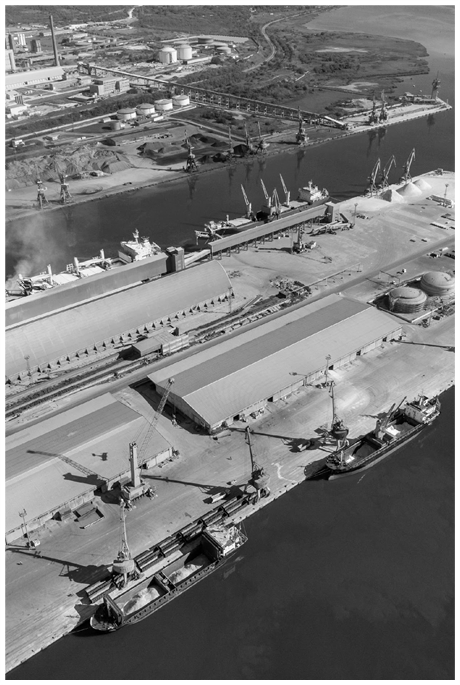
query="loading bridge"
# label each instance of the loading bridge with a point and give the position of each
(210, 97)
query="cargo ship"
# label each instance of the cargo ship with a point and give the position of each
(200, 557)
(132, 251)
(309, 196)
(395, 429)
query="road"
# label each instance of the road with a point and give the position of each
(263, 30)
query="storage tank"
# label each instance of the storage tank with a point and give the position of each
(167, 55)
(437, 283)
(163, 105)
(224, 50)
(406, 300)
(145, 109)
(184, 51)
(180, 100)
(205, 41)
(126, 114)
(115, 125)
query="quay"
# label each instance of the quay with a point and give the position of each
(191, 458)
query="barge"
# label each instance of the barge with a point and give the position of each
(200, 557)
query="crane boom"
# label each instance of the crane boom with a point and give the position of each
(406, 168)
(265, 191)
(386, 171)
(72, 463)
(154, 421)
(246, 202)
(373, 176)
(287, 193)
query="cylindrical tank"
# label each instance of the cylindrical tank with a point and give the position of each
(224, 50)
(167, 55)
(205, 41)
(180, 100)
(184, 51)
(437, 283)
(145, 109)
(406, 300)
(163, 105)
(115, 125)
(126, 113)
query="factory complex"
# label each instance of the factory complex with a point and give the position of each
(236, 378)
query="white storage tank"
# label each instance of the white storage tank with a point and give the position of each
(167, 55)
(126, 114)
(181, 100)
(406, 300)
(163, 105)
(438, 283)
(184, 51)
(145, 109)
(224, 50)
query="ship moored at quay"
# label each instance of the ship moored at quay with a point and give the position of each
(392, 431)
(199, 558)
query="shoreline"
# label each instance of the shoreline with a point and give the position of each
(171, 175)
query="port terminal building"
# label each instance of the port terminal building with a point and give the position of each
(54, 328)
(240, 376)
(95, 438)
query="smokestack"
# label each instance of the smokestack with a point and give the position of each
(56, 56)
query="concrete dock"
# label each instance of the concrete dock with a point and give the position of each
(45, 591)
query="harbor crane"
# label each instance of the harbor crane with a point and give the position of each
(190, 164)
(65, 195)
(230, 144)
(386, 171)
(435, 87)
(124, 566)
(268, 199)
(259, 478)
(338, 429)
(249, 213)
(101, 480)
(301, 137)
(41, 197)
(251, 149)
(373, 118)
(287, 193)
(383, 116)
(373, 177)
(406, 177)
(153, 423)
(262, 144)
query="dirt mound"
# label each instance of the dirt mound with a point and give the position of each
(422, 184)
(409, 190)
(391, 195)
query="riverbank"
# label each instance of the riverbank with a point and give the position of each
(23, 202)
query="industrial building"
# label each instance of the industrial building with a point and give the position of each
(108, 85)
(233, 379)
(55, 467)
(97, 324)
(29, 78)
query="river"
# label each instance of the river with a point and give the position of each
(345, 580)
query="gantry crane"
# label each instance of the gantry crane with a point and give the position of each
(102, 481)
(153, 423)
(287, 193)
(386, 172)
(259, 478)
(249, 213)
(373, 177)
(406, 177)
(435, 87)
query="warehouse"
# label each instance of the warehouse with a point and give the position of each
(95, 436)
(121, 317)
(29, 78)
(239, 376)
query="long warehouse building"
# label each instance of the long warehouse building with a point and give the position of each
(106, 321)
(240, 375)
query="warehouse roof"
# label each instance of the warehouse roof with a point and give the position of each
(33, 75)
(225, 379)
(74, 329)
(40, 482)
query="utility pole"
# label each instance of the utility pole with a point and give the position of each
(326, 371)
(23, 515)
(229, 300)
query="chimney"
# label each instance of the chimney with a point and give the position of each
(56, 56)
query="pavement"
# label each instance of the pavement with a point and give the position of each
(46, 592)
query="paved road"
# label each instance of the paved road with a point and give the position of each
(263, 30)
